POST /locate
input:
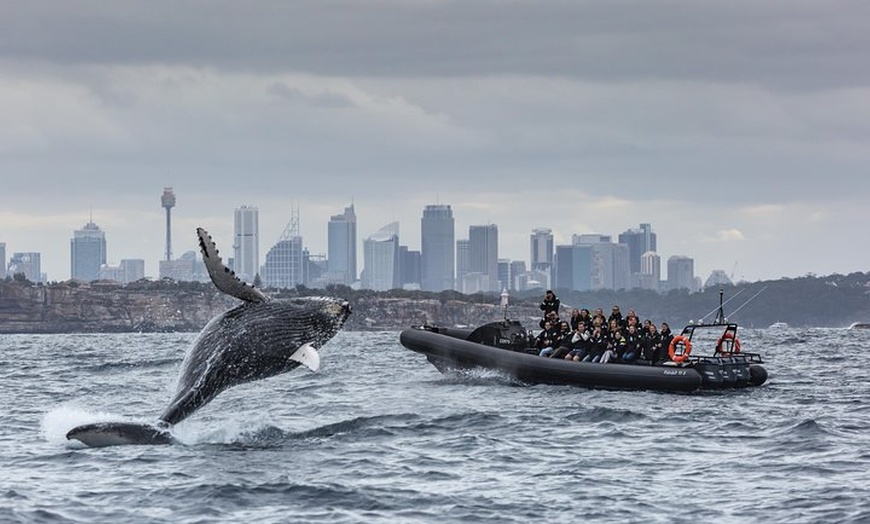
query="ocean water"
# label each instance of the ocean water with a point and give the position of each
(378, 435)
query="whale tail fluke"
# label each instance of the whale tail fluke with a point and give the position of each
(102, 434)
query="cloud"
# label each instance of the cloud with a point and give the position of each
(736, 129)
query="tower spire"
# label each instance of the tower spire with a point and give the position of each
(168, 202)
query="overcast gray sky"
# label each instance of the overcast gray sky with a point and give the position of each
(738, 129)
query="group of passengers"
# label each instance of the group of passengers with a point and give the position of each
(588, 337)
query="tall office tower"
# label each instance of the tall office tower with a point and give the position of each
(2, 260)
(681, 273)
(341, 253)
(87, 252)
(168, 202)
(129, 270)
(483, 254)
(505, 278)
(639, 241)
(285, 262)
(409, 268)
(27, 264)
(518, 268)
(592, 262)
(650, 271)
(463, 260)
(246, 246)
(437, 256)
(381, 254)
(542, 249)
(133, 269)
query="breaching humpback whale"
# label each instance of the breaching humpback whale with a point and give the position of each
(260, 338)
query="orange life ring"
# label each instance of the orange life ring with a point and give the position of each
(672, 348)
(735, 346)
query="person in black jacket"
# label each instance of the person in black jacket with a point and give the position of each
(667, 336)
(550, 303)
(652, 344)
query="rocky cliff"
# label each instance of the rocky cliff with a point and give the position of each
(71, 307)
(103, 307)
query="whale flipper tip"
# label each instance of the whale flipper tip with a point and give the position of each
(223, 277)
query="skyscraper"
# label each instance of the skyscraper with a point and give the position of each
(639, 241)
(246, 245)
(167, 201)
(409, 268)
(285, 262)
(129, 270)
(381, 254)
(2, 260)
(463, 262)
(27, 264)
(483, 254)
(541, 249)
(650, 271)
(681, 273)
(341, 254)
(87, 252)
(437, 257)
(518, 268)
(592, 262)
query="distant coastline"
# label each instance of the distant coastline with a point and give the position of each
(167, 306)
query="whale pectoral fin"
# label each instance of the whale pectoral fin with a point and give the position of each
(307, 356)
(222, 276)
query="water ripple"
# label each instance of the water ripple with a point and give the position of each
(384, 437)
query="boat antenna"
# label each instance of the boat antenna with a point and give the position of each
(720, 316)
(719, 308)
(504, 301)
(750, 300)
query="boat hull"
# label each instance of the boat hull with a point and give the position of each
(446, 351)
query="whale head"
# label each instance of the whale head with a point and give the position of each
(312, 320)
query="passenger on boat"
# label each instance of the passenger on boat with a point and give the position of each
(667, 336)
(600, 313)
(549, 338)
(550, 303)
(586, 317)
(598, 321)
(613, 326)
(631, 318)
(632, 346)
(563, 345)
(579, 343)
(650, 345)
(597, 345)
(616, 315)
(615, 346)
(544, 339)
(552, 317)
(574, 318)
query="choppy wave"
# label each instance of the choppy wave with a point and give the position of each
(380, 436)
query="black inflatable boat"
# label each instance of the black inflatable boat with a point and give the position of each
(503, 346)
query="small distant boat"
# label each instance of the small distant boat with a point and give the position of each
(860, 325)
(778, 325)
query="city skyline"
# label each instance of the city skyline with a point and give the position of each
(477, 254)
(738, 129)
(533, 235)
